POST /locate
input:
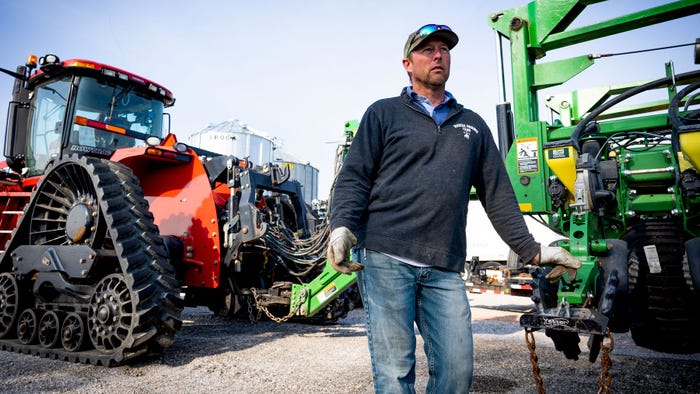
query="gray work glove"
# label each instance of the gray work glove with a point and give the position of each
(342, 240)
(563, 261)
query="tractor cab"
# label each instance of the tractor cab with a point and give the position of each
(79, 106)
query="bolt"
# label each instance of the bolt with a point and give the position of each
(516, 24)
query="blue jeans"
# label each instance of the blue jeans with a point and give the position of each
(395, 295)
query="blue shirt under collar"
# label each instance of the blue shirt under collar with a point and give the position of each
(439, 112)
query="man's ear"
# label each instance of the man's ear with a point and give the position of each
(407, 65)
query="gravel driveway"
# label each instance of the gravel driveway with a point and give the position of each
(213, 355)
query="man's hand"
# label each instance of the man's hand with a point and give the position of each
(342, 240)
(563, 261)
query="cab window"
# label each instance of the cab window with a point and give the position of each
(47, 112)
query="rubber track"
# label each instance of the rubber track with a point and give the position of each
(144, 265)
(664, 311)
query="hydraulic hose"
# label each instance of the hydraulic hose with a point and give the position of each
(582, 125)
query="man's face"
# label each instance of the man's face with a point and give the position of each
(429, 65)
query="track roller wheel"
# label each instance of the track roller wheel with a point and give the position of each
(27, 326)
(73, 332)
(49, 329)
(9, 304)
(110, 314)
(131, 295)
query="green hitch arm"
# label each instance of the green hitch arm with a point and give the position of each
(309, 298)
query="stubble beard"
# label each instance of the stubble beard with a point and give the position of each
(434, 81)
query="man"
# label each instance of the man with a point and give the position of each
(402, 197)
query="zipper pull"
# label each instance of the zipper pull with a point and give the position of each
(439, 129)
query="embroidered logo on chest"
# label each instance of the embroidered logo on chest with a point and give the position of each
(467, 130)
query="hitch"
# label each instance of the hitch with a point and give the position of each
(561, 316)
(564, 318)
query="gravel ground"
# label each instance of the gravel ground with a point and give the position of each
(213, 355)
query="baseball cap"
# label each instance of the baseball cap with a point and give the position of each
(441, 32)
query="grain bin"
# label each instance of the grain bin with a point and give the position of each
(234, 138)
(301, 171)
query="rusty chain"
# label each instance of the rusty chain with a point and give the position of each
(292, 311)
(530, 340)
(605, 379)
(605, 363)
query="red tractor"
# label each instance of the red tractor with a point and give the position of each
(110, 226)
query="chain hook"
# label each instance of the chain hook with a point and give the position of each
(292, 311)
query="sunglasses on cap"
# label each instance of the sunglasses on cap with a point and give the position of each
(430, 28)
(424, 31)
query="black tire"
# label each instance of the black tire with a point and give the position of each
(611, 293)
(73, 332)
(615, 261)
(663, 310)
(90, 201)
(9, 304)
(50, 329)
(27, 326)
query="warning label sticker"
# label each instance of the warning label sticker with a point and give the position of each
(327, 292)
(528, 161)
(653, 261)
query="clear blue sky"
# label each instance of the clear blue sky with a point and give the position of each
(294, 69)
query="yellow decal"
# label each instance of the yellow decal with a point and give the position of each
(525, 207)
(327, 292)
